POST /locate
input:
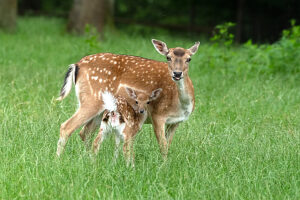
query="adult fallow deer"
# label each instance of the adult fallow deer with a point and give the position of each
(101, 72)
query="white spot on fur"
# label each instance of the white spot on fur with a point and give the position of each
(114, 78)
(100, 80)
(94, 77)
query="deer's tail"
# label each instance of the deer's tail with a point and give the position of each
(70, 78)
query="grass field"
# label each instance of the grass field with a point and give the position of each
(241, 142)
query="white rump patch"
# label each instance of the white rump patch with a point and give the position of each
(110, 102)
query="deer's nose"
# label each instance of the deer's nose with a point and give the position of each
(177, 74)
(142, 111)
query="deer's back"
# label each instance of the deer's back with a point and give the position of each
(111, 72)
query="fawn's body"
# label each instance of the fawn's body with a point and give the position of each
(122, 119)
(101, 72)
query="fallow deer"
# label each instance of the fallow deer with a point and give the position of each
(101, 72)
(122, 119)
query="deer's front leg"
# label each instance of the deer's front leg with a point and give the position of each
(159, 129)
(170, 130)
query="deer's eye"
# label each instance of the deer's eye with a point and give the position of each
(136, 102)
(148, 102)
(188, 60)
(168, 58)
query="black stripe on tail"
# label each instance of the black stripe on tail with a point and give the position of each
(69, 73)
(76, 73)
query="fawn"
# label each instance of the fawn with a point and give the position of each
(122, 119)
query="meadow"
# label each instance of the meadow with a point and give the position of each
(241, 142)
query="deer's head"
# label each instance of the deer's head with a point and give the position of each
(142, 99)
(178, 58)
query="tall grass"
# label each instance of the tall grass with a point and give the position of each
(241, 142)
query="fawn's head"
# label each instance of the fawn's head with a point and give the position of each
(178, 58)
(142, 99)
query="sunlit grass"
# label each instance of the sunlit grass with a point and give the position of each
(241, 142)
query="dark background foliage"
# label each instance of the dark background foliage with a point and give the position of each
(260, 20)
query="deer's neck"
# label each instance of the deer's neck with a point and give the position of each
(185, 92)
(185, 103)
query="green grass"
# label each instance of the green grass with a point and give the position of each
(241, 142)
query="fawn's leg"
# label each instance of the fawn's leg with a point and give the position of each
(117, 148)
(100, 137)
(90, 127)
(132, 152)
(126, 151)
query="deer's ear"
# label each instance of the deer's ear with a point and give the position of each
(194, 48)
(155, 94)
(131, 93)
(160, 46)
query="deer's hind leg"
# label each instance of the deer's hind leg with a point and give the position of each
(83, 115)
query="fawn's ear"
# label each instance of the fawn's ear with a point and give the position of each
(131, 93)
(194, 48)
(160, 46)
(155, 94)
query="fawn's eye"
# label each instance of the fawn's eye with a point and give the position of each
(168, 58)
(148, 102)
(188, 60)
(136, 102)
